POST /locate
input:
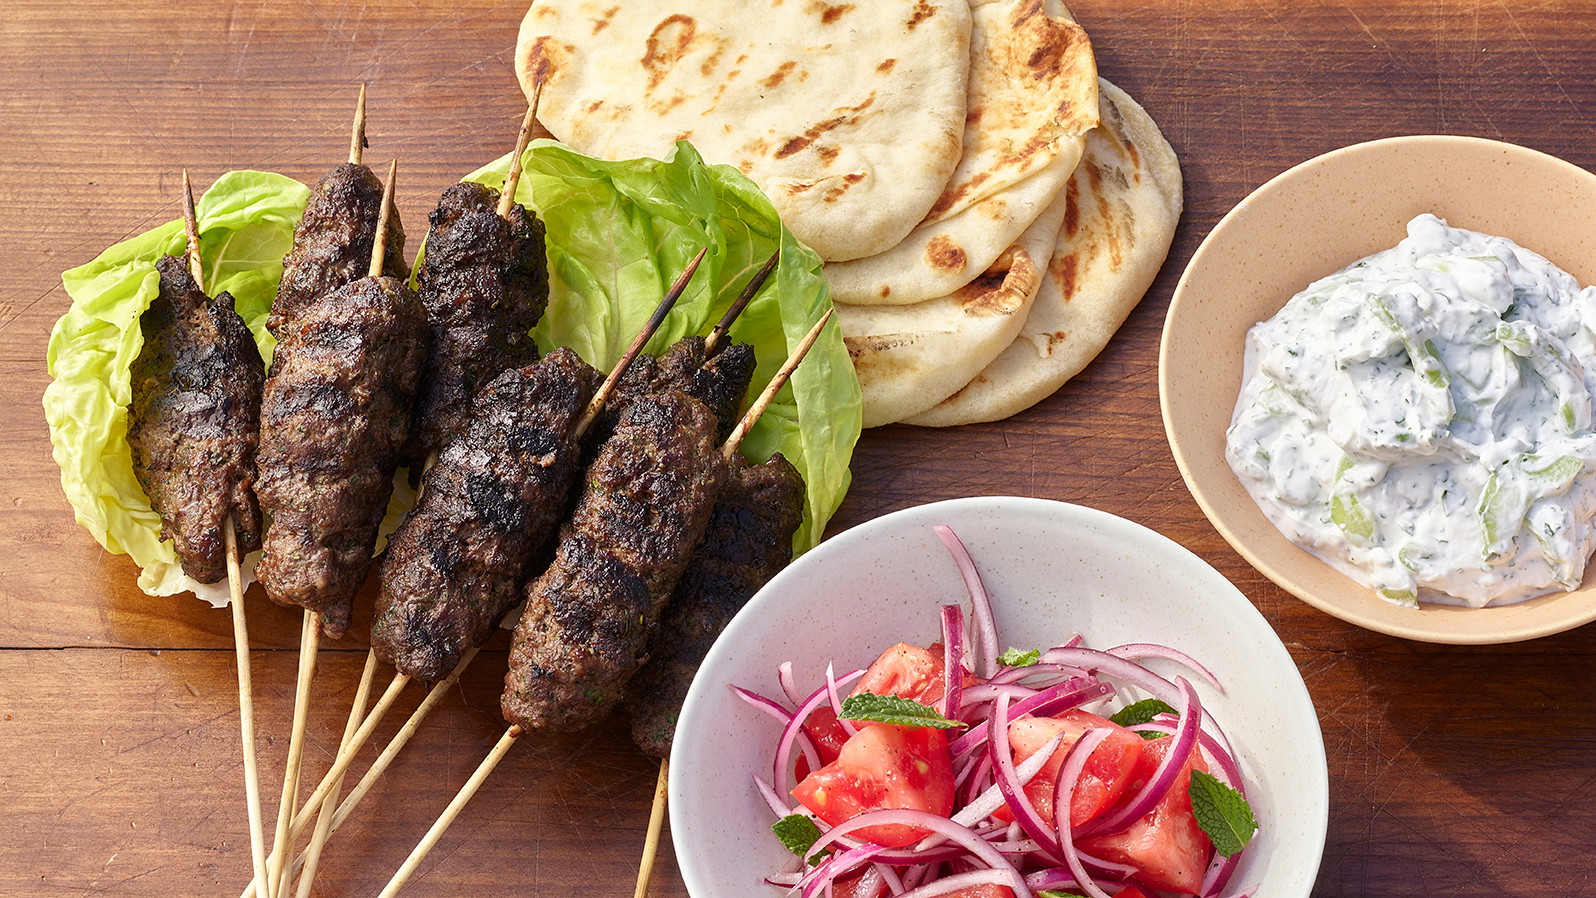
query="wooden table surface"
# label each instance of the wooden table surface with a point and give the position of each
(1453, 771)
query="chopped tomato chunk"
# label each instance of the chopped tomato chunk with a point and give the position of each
(1105, 779)
(883, 766)
(1166, 845)
(906, 671)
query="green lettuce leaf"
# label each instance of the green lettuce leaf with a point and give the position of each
(246, 223)
(620, 232)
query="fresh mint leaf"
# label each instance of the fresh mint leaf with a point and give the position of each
(1140, 712)
(1222, 812)
(1150, 735)
(1016, 658)
(892, 709)
(799, 833)
(1056, 893)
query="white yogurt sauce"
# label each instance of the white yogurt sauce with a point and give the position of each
(1421, 420)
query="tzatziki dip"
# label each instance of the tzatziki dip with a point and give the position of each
(1421, 420)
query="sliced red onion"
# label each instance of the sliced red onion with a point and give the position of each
(1132, 673)
(778, 804)
(835, 698)
(959, 835)
(1008, 780)
(1134, 651)
(1229, 770)
(841, 863)
(792, 734)
(794, 731)
(980, 603)
(957, 881)
(1218, 874)
(1185, 739)
(1040, 668)
(952, 662)
(1068, 776)
(1052, 700)
(789, 686)
(982, 807)
(982, 693)
(1050, 878)
(974, 777)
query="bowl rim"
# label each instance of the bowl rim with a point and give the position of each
(1429, 623)
(1314, 806)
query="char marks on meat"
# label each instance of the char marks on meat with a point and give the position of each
(485, 283)
(720, 382)
(334, 420)
(588, 618)
(194, 421)
(748, 540)
(489, 506)
(333, 242)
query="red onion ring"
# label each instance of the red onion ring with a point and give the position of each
(980, 602)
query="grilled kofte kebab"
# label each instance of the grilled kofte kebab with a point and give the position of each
(572, 603)
(748, 540)
(193, 426)
(334, 420)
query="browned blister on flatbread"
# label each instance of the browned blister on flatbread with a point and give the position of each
(1118, 216)
(1032, 100)
(849, 117)
(911, 357)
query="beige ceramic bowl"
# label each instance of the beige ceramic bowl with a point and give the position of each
(1309, 222)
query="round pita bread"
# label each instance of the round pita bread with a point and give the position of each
(1032, 100)
(909, 358)
(1122, 205)
(850, 118)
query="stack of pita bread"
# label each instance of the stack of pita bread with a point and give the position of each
(989, 209)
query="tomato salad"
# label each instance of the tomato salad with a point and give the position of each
(898, 786)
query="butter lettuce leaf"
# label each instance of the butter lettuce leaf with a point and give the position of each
(620, 232)
(246, 223)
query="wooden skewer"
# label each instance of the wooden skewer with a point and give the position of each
(309, 643)
(511, 180)
(656, 814)
(357, 710)
(340, 767)
(419, 853)
(771, 389)
(596, 404)
(712, 342)
(357, 135)
(235, 593)
(656, 822)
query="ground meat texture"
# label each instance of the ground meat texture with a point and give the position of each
(334, 419)
(589, 617)
(489, 506)
(485, 283)
(721, 383)
(195, 419)
(333, 241)
(748, 540)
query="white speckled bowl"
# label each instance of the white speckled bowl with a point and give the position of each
(1053, 569)
(1311, 221)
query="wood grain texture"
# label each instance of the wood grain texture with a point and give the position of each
(1454, 771)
